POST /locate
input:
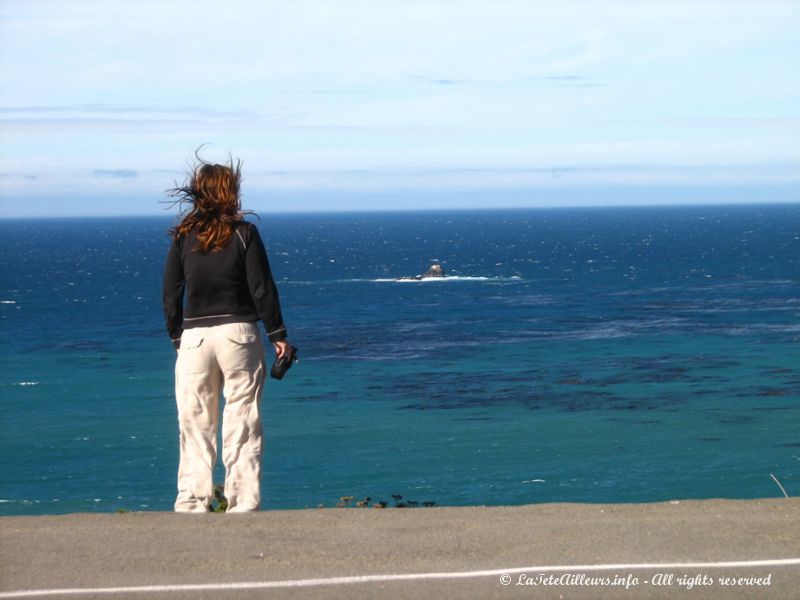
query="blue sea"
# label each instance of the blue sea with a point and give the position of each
(570, 355)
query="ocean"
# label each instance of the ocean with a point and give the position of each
(569, 355)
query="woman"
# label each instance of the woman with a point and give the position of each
(218, 262)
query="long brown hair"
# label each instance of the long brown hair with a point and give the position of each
(212, 193)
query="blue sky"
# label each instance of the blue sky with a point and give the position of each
(412, 104)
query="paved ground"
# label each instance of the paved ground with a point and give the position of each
(444, 552)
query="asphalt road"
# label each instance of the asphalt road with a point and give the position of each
(663, 550)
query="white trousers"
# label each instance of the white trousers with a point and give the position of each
(227, 358)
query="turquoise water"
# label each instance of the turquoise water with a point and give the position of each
(617, 355)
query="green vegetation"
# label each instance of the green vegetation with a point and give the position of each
(347, 502)
(220, 503)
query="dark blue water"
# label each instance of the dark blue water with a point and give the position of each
(603, 355)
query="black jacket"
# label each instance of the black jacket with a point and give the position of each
(231, 285)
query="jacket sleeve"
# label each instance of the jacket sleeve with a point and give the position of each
(174, 285)
(262, 287)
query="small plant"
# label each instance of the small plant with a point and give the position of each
(347, 501)
(775, 479)
(220, 503)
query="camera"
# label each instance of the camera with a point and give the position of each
(283, 364)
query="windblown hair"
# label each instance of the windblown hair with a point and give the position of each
(212, 193)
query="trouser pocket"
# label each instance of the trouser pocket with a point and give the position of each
(192, 355)
(240, 348)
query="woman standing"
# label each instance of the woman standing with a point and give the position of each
(217, 261)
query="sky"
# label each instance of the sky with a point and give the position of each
(388, 105)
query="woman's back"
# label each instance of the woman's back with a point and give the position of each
(216, 282)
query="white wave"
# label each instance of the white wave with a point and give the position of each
(26, 383)
(390, 357)
(8, 301)
(756, 328)
(443, 279)
(524, 300)
(600, 333)
(513, 278)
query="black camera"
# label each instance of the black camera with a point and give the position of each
(283, 364)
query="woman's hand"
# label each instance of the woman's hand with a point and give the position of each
(281, 348)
